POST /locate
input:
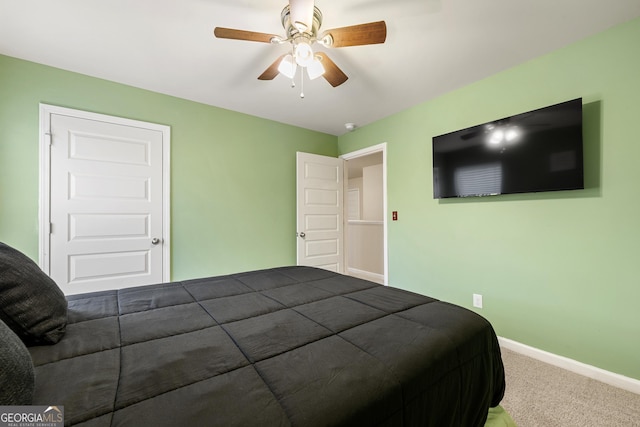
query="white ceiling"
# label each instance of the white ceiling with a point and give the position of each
(167, 46)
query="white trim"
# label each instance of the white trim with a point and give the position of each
(382, 147)
(589, 371)
(46, 111)
(44, 189)
(367, 275)
(365, 222)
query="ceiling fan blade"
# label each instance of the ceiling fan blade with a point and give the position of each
(272, 71)
(301, 14)
(357, 35)
(334, 75)
(230, 33)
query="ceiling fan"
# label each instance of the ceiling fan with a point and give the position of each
(301, 20)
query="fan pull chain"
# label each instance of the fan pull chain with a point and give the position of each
(301, 84)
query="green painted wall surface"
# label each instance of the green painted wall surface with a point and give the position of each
(232, 175)
(558, 271)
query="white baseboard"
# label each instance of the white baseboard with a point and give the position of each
(367, 275)
(607, 377)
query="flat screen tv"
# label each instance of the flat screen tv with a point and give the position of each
(540, 150)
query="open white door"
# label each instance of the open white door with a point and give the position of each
(320, 207)
(107, 202)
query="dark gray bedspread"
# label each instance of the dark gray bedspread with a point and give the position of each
(286, 346)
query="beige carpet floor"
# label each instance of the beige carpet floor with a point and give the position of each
(543, 395)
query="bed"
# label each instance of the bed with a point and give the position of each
(284, 346)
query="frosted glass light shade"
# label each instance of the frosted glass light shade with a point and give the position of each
(303, 53)
(287, 66)
(315, 69)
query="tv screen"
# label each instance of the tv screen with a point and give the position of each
(540, 150)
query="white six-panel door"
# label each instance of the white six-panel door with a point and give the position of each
(107, 204)
(320, 208)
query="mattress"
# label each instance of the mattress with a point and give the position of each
(284, 346)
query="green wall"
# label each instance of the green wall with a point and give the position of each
(232, 175)
(558, 271)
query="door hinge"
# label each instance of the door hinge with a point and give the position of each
(48, 137)
(50, 228)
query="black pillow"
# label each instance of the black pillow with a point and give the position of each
(31, 304)
(17, 375)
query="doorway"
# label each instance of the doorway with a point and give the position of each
(365, 214)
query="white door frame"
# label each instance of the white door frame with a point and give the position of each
(46, 111)
(382, 147)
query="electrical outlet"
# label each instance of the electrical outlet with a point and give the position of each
(477, 300)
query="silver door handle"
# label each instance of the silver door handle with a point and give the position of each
(155, 241)
(301, 234)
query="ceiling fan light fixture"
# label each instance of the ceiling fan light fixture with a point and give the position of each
(302, 52)
(302, 21)
(315, 69)
(287, 66)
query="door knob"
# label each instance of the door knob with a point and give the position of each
(155, 241)
(301, 234)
